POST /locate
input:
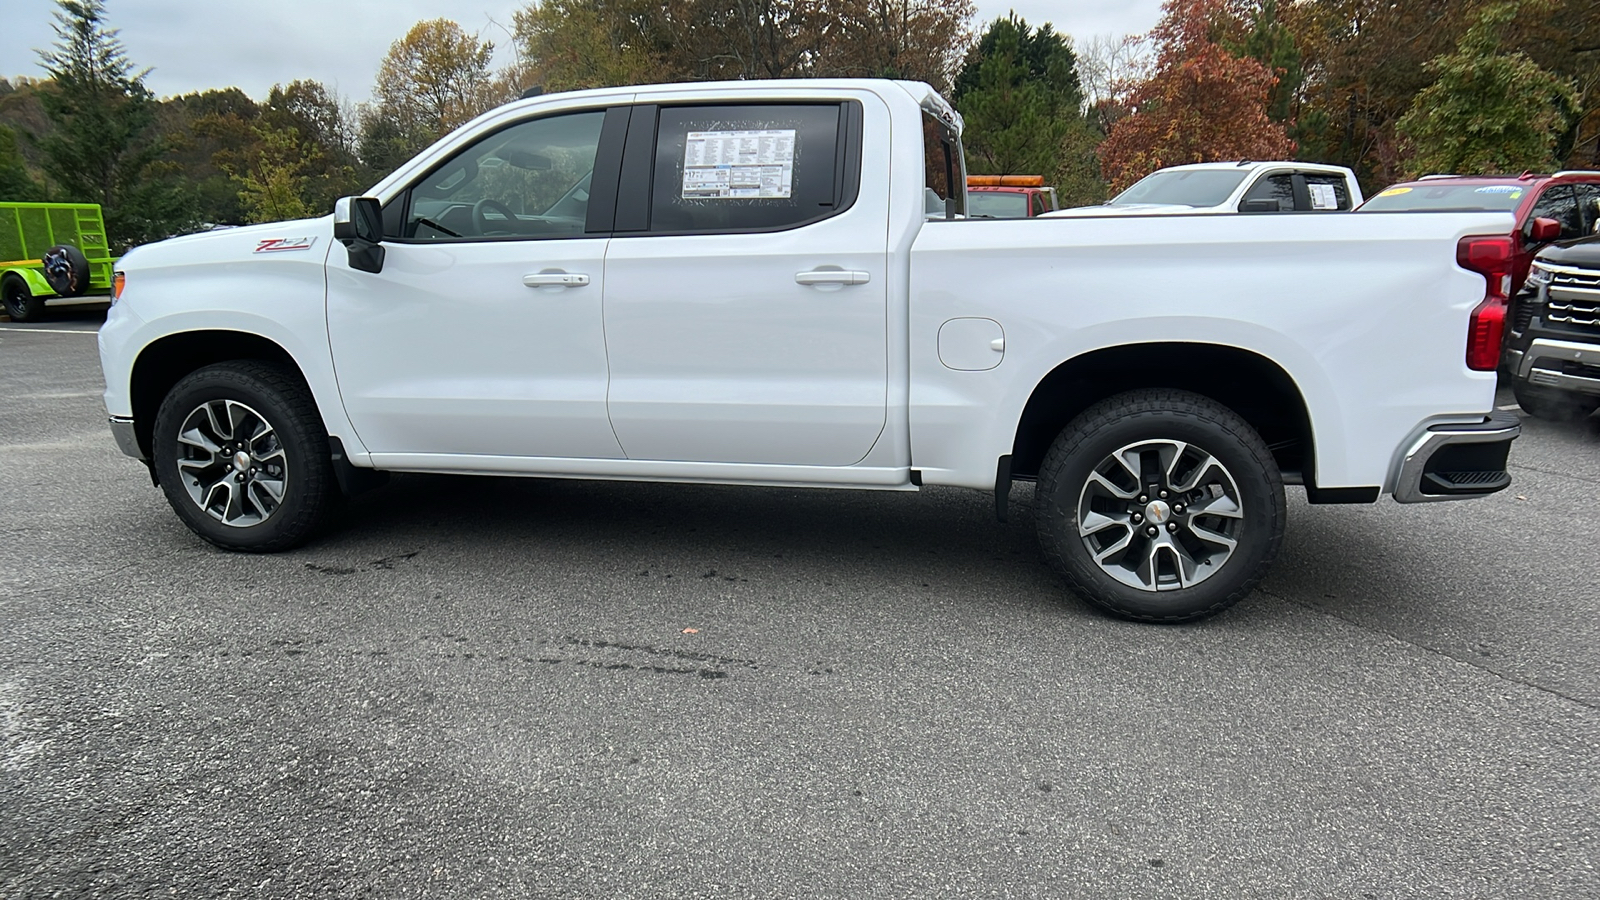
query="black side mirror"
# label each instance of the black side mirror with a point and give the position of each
(358, 225)
(1260, 206)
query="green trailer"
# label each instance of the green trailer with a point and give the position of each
(51, 251)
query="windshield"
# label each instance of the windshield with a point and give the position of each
(1489, 197)
(1182, 187)
(999, 204)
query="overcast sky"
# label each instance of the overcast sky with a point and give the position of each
(192, 45)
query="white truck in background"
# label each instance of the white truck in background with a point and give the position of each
(738, 283)
(1247, 186)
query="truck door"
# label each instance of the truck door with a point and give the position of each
(746, 290)
(482, 334)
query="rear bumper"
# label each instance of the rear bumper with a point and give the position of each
(1458, 461)
(127, 439)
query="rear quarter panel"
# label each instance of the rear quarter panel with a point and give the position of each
(1368, 314)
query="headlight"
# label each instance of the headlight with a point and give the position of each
(1538, 275)
(118, 279)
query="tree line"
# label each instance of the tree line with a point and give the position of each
(1390, 88)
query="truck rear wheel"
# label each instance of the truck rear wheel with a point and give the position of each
(240, 452)
(20, 303)
(1160, 506)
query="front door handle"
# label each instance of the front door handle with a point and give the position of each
(555, 279)
(833, 276)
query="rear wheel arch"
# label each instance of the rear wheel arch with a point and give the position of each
(164, 362)
(1254, 387)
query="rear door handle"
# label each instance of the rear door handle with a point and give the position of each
(833, 276)
(555, 279)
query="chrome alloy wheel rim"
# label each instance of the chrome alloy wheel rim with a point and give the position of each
(232, 463)
(1160, 515)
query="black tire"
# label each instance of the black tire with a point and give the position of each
(1253, 517)
(1553, 405)
(66, 270)
(291, 435)
(19, 302)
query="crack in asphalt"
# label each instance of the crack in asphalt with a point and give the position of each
(1567, 475)
(1437, 651)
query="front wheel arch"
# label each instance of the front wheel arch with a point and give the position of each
(164, 362)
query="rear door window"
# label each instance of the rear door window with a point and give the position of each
(759, 167)
(1328, 192)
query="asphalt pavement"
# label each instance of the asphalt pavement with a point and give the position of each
(496, 687)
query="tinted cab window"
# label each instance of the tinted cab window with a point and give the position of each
(746, 168)
(530, 180)
(1560, 203)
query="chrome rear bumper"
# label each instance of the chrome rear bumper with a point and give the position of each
(1458, 461)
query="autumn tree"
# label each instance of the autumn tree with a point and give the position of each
(918, 40)
(576, 44)
(1201, 104)
(432, 80)
(1489, 110)
(591, 43)
(1364, 65)
(319, 120)
(103, 148)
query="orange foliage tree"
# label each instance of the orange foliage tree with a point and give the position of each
(1201, 104)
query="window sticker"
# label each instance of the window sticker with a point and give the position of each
(1323, 196)
(738, 164)
(1395, 192)
(1500, 189)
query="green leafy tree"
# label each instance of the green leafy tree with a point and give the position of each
(270, 175)
(16, 182)
(103, 149)
(1489, 110)
(330, 166)
(1269, 41)
(1018, 92)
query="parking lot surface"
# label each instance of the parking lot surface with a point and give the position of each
(541, 688)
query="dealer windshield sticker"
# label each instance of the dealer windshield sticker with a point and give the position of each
(1395, 192)
(276, 245)
(728, 165)
(1323, 196)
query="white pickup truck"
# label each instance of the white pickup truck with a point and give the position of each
(740, 283)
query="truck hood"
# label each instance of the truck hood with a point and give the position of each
(297, 238)
(1130, 209)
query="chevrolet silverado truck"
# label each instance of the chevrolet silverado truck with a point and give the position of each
(742, 283)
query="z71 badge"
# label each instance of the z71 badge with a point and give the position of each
(276, 245)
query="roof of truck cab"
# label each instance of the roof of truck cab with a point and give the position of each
(1252, 165)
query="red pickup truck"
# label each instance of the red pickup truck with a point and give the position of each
(1545, 208)
(1009, 196)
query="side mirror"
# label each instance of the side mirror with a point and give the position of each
(1543, 231)
(1261, 206)
(358, 225)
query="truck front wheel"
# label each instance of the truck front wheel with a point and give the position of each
(1160, 506)
(242, 456)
